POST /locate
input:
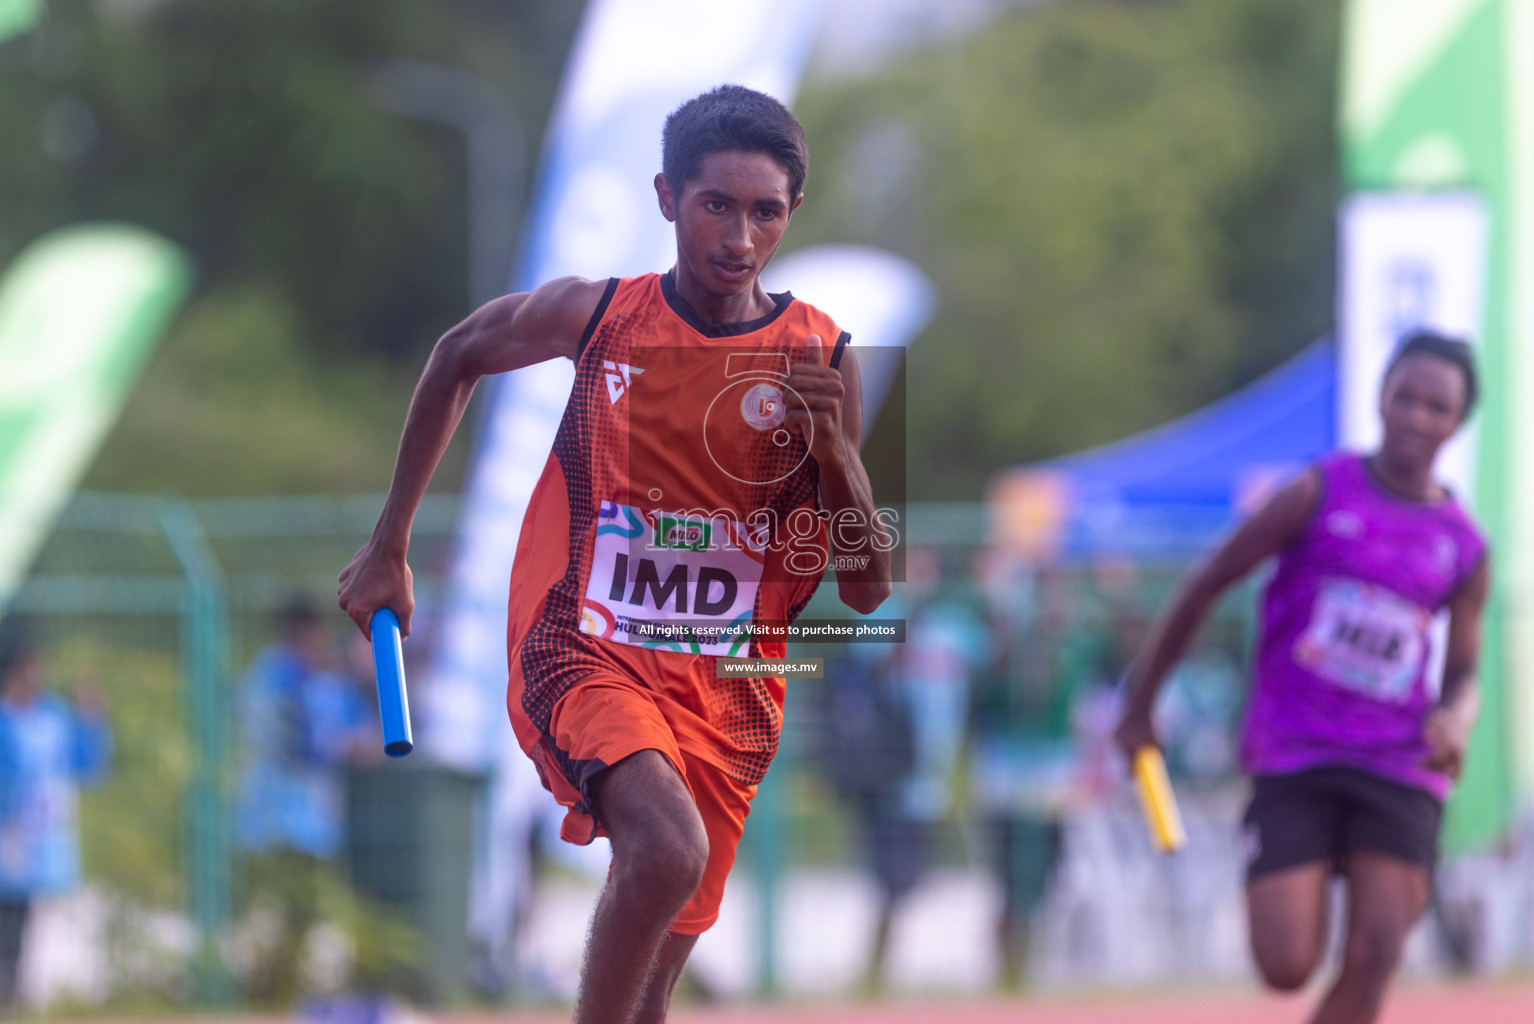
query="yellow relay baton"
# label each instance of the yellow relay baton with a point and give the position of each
(1161, 814)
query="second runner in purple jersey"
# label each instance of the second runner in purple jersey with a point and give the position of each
(1342, 669)
(1352, 735)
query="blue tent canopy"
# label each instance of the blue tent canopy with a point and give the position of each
(1174, 487)
(1286, 418)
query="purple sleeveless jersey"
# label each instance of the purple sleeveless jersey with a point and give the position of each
(1340, 673)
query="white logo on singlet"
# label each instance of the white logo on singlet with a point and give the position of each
(1345, 524)
(620, 377)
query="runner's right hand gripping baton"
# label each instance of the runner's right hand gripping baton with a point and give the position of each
(389, 671)
(1161, 814)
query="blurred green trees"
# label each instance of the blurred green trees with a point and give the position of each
(1126, 206)
(327, 231)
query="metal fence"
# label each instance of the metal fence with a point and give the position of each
(160, 602)
(164, 602)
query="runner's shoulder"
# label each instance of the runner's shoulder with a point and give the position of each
(1304, 490)
(1283, 518)
(563, 306)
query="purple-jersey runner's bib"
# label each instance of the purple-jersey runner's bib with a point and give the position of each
(1341, 674)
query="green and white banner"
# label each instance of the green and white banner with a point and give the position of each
(1437, 119)
(80, 311)
(1407, 260)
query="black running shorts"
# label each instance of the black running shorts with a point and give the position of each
(1324, 814)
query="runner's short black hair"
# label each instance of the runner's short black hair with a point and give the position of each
(728, 118)
(1451, 350)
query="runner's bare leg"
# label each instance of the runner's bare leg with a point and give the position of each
(660, 849)
(1386, 896)
(1287, 915)
(668, 971)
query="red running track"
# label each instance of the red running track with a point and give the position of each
(1479, 1003)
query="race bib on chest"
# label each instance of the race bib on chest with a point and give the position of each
(1364, 638)
(672, 581)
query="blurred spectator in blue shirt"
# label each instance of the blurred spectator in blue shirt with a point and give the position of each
(47, 749)
(302, 722)
(303, 719)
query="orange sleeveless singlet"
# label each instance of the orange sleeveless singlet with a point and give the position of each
(673, 511)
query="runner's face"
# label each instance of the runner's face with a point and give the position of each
(729, 220)
(1422, 403)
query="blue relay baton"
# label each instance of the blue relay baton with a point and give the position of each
(389, 671)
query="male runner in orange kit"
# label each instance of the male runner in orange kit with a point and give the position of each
(704, 471)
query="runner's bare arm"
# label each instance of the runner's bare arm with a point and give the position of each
(1449, 727)
(859, 539)
(1270, 528)
(504, 334)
